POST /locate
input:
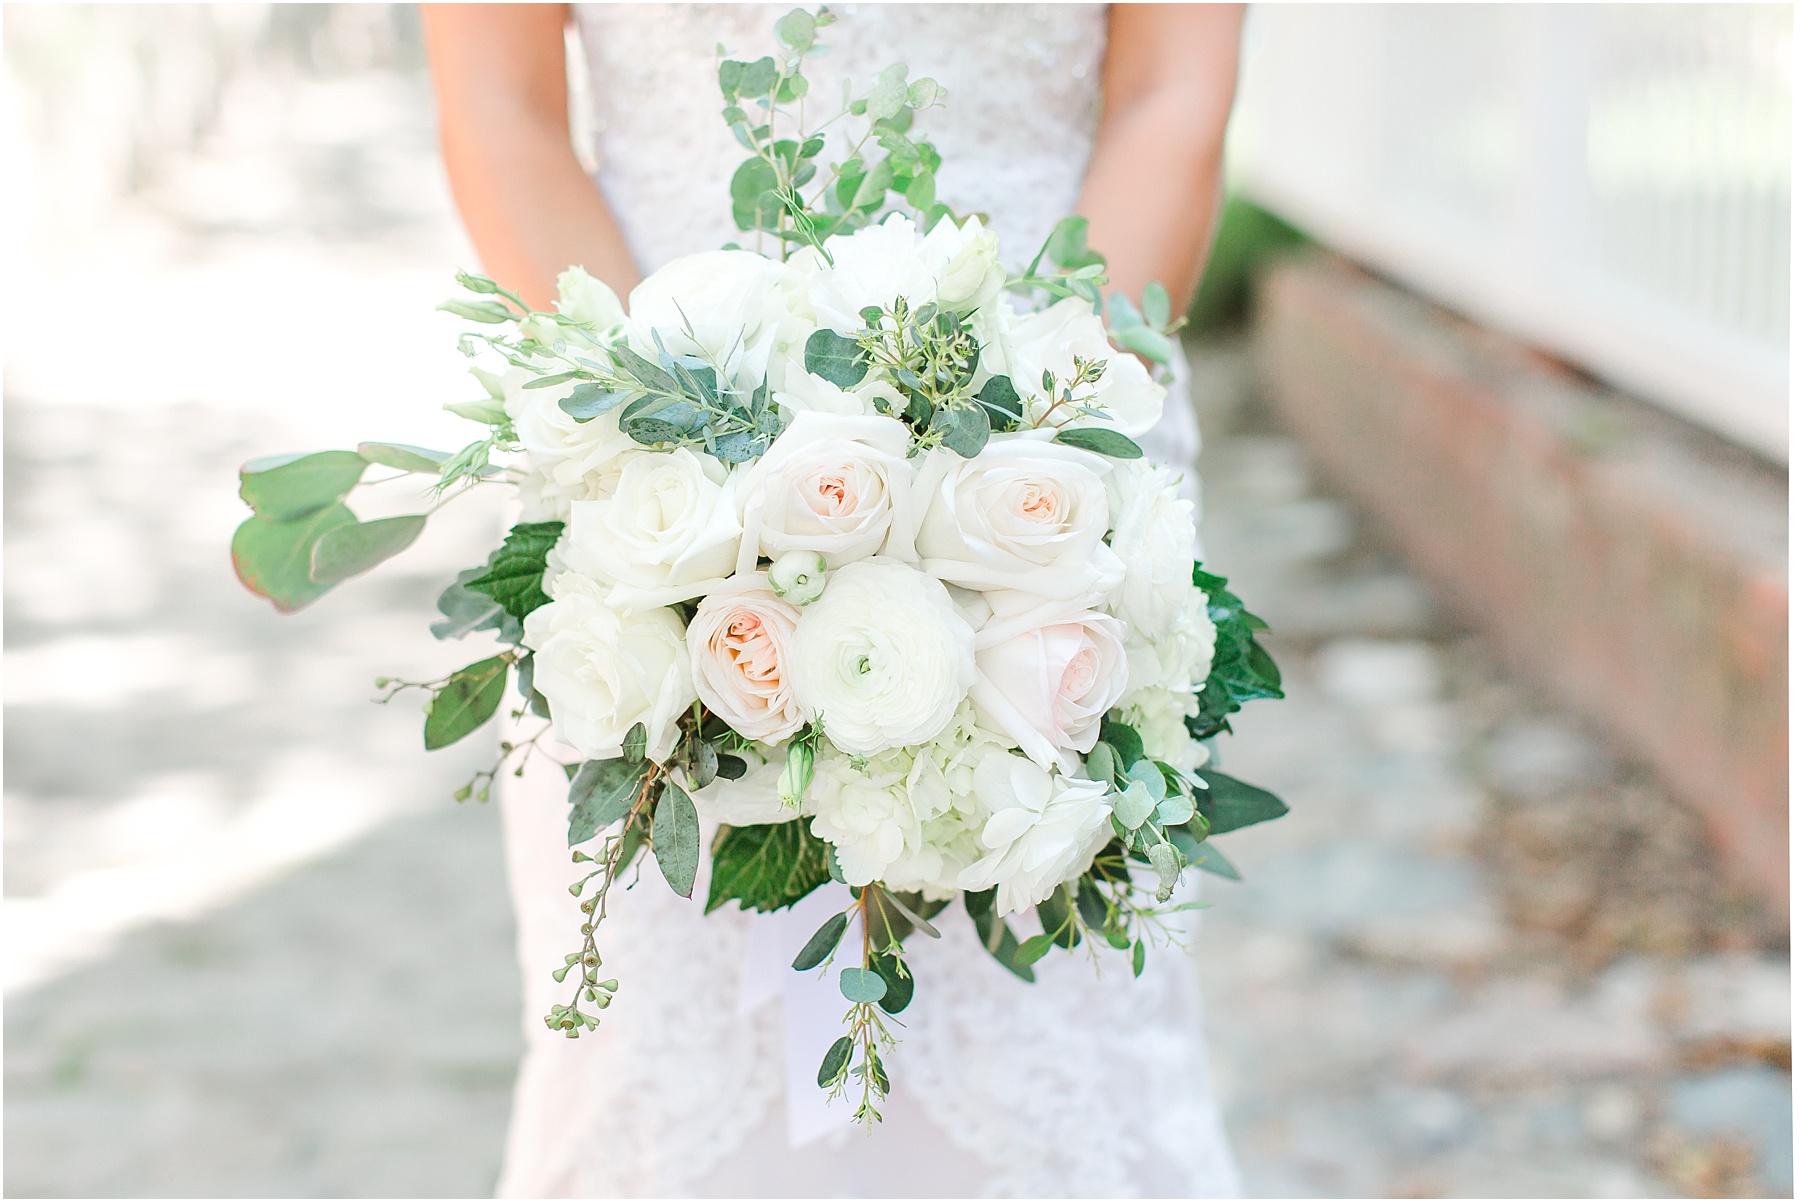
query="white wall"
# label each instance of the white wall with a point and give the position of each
(1609, 182)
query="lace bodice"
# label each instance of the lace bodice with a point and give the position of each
(1015, 132)
(1087, 1083)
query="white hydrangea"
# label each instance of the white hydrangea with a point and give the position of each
(1157, 715)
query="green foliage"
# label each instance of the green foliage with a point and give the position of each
(1125, 742)
(515, 573)
(824, 941)
(601, 793)
(766, 867)
(404, 456)
(898, 979)
(466, 702)
(1100, 440)
(287, 488)
(675, 838)
(274, 559)
(466, 611)
(1229, 804)
(1211, 859)
(1001, 400)
(831, 356)
(837, 1059)
(862, 985)
(1242, 670)
(349, 550)
(995, 935)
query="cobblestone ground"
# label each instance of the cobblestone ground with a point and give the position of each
(1481, 957)
(253, 950)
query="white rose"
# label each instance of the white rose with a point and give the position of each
(741, 643)
(1045, 678)
(829, 484)
(1158, 715)
(1051, 341)
(751, 800)
(804, 392)
(571, 453)
(965, 261)
(723, 305)
(668, 532)
(1040, 831)
(1025, 514)
(862, 808)
(883, 657)
(604, 671)
(876, 265)
(1153, 536)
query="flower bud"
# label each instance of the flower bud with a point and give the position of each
(797, 774)
(798, 577)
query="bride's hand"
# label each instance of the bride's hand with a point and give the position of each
(503, 120)
(1153, 184)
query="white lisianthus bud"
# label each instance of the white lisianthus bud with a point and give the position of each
(798, 577)
(580, 297)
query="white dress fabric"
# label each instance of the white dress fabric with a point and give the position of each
(1087, 1083)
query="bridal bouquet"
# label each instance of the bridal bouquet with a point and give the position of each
(841, 546)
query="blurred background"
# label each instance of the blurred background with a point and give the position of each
(1492, 359)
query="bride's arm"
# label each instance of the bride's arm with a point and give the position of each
(503, 120)
(1153, 184)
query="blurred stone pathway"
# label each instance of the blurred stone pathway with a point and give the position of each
(1479, 958)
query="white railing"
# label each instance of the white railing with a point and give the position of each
(1611, 183)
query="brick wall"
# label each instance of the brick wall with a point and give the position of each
(1633, 567)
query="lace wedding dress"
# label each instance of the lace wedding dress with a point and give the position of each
(1086, 1083)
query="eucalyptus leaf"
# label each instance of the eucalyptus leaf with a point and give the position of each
(1001, 400)
(824, 941)
(1126, 743)
(996, 936)
(964, 431)
(464, 610)
(589, 400)
(404, 456)
(1212, 860)
(274, 559)
(862, 985)
(346, 551)
(1142, 340)
(1134, 806)
(488, 412)
(1137, 958)
(286, 488)
(635, 741)
(1102, 763)
(1156, 305)
(1033, 950)
(1067, 246)
(467, 701)
(487, 312)
(675, 838)
(832, 357)
(602, 792)
(899, 981)
(837, 1059)
(1229, 804)
(796, 30)
(1101, 440)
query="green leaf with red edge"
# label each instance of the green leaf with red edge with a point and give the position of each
(274, 559)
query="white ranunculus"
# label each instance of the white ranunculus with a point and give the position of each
(1181, 658)
(876, 265)
(754, 798)
(723, 305)
(1041, 829)
(669, 531)
(862, 808)
(1046, 677)
(1051, 341)
(1153, 536)
(580, 297)
(829, 484)
(604, 671)
(883, 657)
(1025, 514)
(741, 642)
(965, 261)
(1158, 714)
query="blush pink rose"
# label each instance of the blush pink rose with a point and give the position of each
(1045, 678)
(740, 644)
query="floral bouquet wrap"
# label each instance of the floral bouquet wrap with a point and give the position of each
(839, 543)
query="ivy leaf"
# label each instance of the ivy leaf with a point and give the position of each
(964, 431)
(467, 701)
(831, 356)
(996, 936)
(824, 941)
(675, 838)
(515, 573)
(1242, 670)
(1229, 804)
(601, 793)
(404, 456)
(274, 559)
(767, 867)
(1101, 441)
(346, 551)
(286, 488)
(465, 611)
